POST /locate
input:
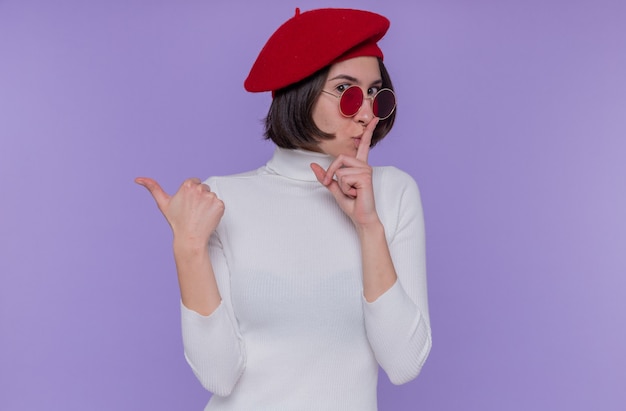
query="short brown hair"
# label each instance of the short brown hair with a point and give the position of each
(289, 122)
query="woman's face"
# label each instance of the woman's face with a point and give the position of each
(359, 71)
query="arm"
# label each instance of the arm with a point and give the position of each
(214, 348)
(397, 323)
(198, 287)
(193, 214)
(212, 345)
(354, 193)
(395, 303)
(379, 274)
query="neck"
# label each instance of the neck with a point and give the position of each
(296, 164)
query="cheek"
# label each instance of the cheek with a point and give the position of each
(325, 117)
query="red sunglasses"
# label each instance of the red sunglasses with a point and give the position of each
(351, 100)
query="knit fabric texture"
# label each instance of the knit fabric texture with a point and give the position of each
(293, 330)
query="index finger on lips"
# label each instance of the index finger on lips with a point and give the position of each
(363, 151)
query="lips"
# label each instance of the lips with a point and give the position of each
(357, 141)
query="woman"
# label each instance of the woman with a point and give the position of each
(314, 274)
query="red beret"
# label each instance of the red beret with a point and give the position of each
(312, 40)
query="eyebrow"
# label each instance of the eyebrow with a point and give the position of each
(353, 79)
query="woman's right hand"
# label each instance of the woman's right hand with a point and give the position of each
(193, 212)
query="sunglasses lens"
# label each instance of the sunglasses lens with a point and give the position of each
(384, 103)
(351, 101)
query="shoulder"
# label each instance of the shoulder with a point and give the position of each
(398, 201)
(392, 179)
(214, 182)
(396, 194)
(245, 174)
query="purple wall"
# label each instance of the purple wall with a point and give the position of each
(512, 118)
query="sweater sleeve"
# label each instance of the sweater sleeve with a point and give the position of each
(397, 323)
(213, 345)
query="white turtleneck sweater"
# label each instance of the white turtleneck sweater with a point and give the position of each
(293, 331)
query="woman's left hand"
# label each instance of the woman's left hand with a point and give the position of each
(352, 188)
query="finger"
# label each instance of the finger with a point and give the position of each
(193, 181)
(363, 151)
(160, 196)
(338, 192)
(333, 186)
(347, 187)
(342, 161)
(319, 172)
(353, 171)
(352, 182)
(203, 188)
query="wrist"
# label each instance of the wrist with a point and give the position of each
(374, 227)
(188, 246)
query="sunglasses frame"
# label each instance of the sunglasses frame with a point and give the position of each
(363, 96)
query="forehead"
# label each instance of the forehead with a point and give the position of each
(363, 69)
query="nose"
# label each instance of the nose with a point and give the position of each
(366, 112)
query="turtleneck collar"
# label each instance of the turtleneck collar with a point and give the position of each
(295, 164)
